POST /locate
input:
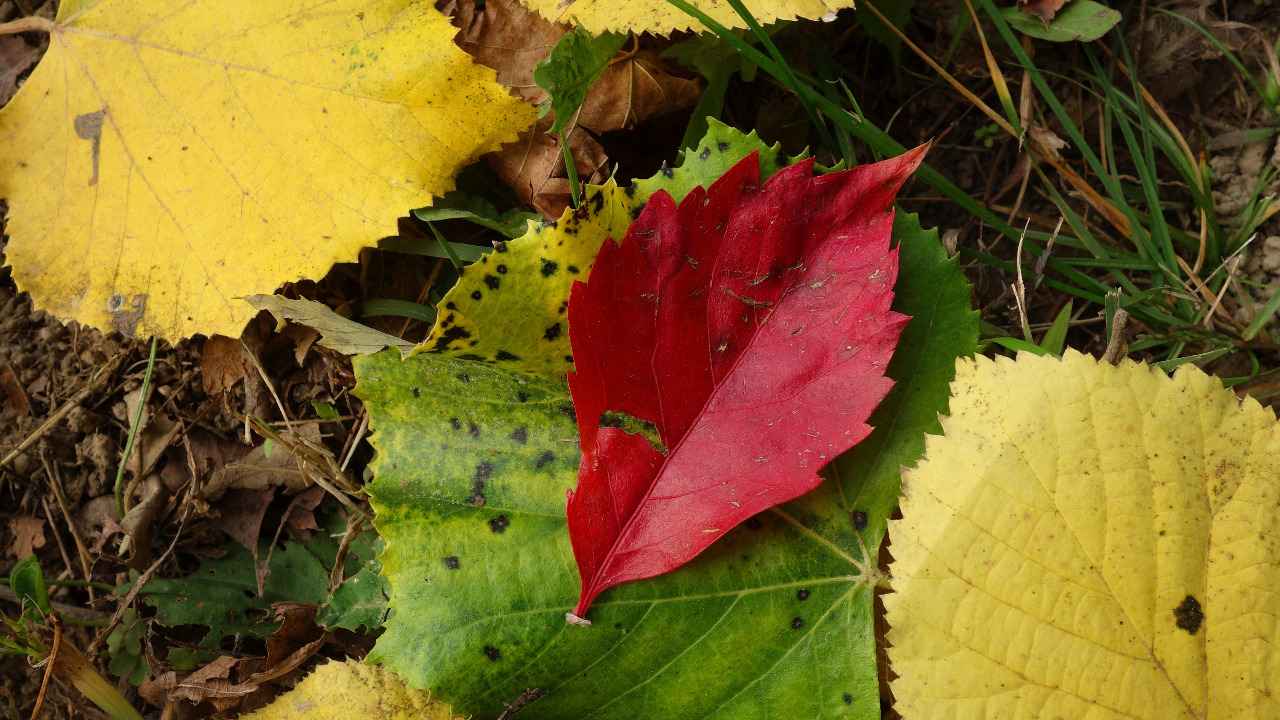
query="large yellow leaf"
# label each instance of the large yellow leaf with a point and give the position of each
(1090, 541)
(660, 16)
(167, 158)
(353, 691)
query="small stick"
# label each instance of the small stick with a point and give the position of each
(57, 537)
(35, 23)
(65, 409)
(55, 482)
(71, 613)
(1116, 344)
(48, 667)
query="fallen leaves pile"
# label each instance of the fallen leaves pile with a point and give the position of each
(642, 458)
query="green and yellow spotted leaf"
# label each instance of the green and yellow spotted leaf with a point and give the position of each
(775, 620)
(509, 307)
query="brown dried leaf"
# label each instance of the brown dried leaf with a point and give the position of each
(15, 398)
(28, 535)
(1043, 9)
(222, 364)
(16, 57)
(511, 39)
(534, 166)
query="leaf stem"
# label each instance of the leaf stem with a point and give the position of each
(570, 168)
(134, 428)
(33, 23)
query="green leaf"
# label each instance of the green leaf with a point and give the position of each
(931, 289)
(720, 149)
(222, 594)
(509, 305)
(359, 604)
(775, 620)
(26, 579)
(898, 12)
(1055, 338)
(1019, 345)
(383, 307)
(463, 206)
(124, 647)
(1080, 20)
(572, 67)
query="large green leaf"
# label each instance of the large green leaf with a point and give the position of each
(773, 621)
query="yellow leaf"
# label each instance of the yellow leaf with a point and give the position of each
(661, 17)
(353, 691)
(1089, 541)
(165, 159)
(509, 306)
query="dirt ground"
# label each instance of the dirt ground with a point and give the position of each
(68, 394)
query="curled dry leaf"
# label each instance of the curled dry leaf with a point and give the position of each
(637, 86)
(1043, 9)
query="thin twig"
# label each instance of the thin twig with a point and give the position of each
(1020, 289)
(73, 614)
(35, 23)
(55, 483)
(65, 409)
(48, 667)
(1116, 344)
(135, 428)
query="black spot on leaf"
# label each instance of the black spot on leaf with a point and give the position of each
(552, 332)
(473, 430)
(522, 396)
(797, 623)
(544, 459)
(502, 269)
(417, 392)
(499, 524)
(451, 305)
(504, 356)
(449, 336)
(492, 653)
(802, 594)
(455, 423)
(859, 520)
(573, 269)
(463, 377)
(452, 562)
(492, 282)
(520, 435)
(476, 295)
(549, 267)
(706, 153)
(723, 146)
(847, 698)
(500, 246)
(1189, 615)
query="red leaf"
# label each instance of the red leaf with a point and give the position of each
(752, 328)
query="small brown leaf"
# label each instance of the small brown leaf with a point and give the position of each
(221, 364)
(16, 57)
(1043, 9)
(28, 535)
(15, 398)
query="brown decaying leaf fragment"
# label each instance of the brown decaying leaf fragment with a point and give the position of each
(16, 57)
(1043, 9)
(637, 86)
(28, 535)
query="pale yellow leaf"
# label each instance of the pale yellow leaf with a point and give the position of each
(661, 17)
(1089, 541)
(353, 691)
(167, 158)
